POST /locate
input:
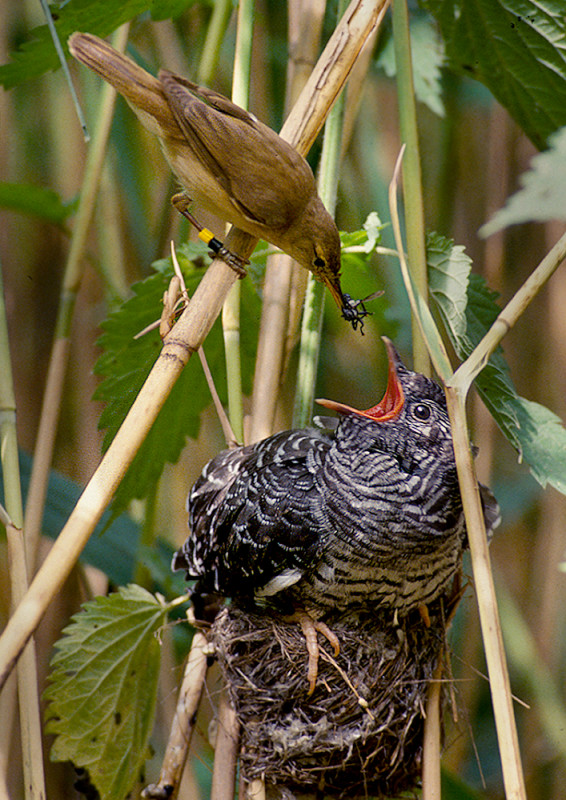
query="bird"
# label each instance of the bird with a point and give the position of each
(231, 164)
(315, 522)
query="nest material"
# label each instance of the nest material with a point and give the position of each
(361, 731)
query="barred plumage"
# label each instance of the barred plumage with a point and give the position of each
(367, 515)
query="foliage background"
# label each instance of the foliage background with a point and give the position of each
(473, 156)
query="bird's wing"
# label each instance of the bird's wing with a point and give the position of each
(252, 515)
(244, 155)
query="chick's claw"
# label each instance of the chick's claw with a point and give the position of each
(310, 627)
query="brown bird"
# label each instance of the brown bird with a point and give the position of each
(230, 163)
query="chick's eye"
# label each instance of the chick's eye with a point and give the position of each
(421, 412)
(319, 262)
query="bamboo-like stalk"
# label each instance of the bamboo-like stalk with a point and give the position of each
(416, 251)
(255, 790)
(61, 347)
(8, 698)
(28, 698)
(457, 386)
(311, 328)
(431, 738)
(225, 751)
(231, 308)
(507, 318)
(183, 722)
(187, 335)
(412, 182)
(487, 602)
(221, 12)
(304, 29)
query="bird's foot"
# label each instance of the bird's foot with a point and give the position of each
(425, 616)
(310, 627)
(182, 201)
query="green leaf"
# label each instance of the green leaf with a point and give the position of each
(543, 196)
(367, 237)
(35, 200)
(104, 686)
(126, 363)
(535, 432)
(454, 788)
(427, 55)
(528, 664)
(517, 48)
(451, 268)
(168, 9)
(38, 55)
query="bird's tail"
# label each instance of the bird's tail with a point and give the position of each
(142, 91)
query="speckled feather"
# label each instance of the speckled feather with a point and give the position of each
(367, 515)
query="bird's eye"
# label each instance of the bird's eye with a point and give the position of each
(421, 412)
(319, 262)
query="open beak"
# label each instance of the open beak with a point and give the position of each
(392, 403)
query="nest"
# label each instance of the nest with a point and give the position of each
(360, 733)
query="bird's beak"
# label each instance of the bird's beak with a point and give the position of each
(335, 292)
(392, 403)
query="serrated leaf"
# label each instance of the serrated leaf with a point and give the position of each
(535, 432)
(38, 55)
(452, 269)
(126, 363)
(104, 686)
(427, 56)
(543, 442)
(543, 196)
(517, 48)
(35, 200)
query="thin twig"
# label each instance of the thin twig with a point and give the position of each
(475, 526)
(412, 180)
(420, 309)
(183, 723)
(28, 696)
(59, 358)
(229, 434)
(506, 319)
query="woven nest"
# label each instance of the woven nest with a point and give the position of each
(361, 732)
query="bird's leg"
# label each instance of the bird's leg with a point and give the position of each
(182, 201)
(425, 616)
(310, 627)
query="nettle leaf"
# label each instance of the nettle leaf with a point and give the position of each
(427, 55)
(126, 363)
(517, 48)
(101, 698)
(535, 432)
(451, 268)
(37, 55)
(543, 196)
